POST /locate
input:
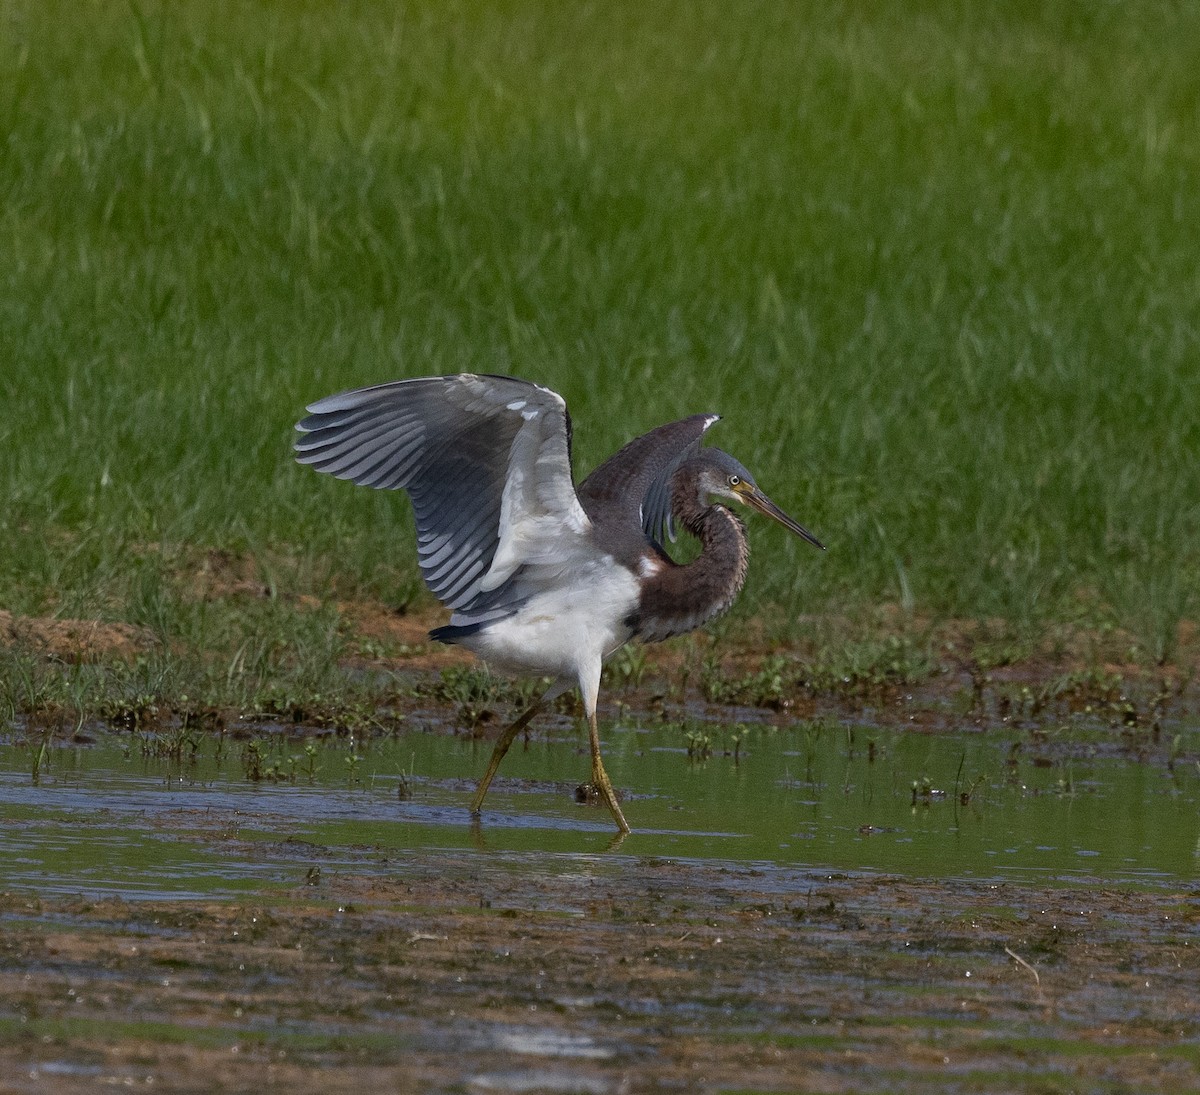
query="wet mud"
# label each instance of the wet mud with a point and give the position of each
(485, 972)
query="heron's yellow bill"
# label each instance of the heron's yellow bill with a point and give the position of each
(755, 498)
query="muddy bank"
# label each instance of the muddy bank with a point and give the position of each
(386, 963)
(488, 972)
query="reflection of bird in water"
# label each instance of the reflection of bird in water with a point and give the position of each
(544, 578)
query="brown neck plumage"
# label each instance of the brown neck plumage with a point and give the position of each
(675, 598)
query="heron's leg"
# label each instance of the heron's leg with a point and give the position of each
(589, 690)
(506, 739)
(600, 776)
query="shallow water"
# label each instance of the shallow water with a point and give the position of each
(1072, 807)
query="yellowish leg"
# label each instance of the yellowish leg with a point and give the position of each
(600, 777)
(506, 739)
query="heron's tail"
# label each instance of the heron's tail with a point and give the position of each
(455, 633)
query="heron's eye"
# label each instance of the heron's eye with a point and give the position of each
(734, 480)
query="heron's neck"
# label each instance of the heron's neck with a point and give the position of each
(676, 599)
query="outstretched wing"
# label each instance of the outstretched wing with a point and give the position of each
(632, 489)
(485, 459)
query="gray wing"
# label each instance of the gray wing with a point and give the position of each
(633, 487)
(485, 460)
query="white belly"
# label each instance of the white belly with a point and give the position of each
(563, 632)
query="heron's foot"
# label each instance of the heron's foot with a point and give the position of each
(601, 790)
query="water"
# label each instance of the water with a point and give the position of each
(1078, 806)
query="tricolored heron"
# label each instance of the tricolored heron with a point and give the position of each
(544, 578)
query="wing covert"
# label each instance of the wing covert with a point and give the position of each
(632, 488)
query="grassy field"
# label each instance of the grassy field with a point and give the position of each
(937, 266)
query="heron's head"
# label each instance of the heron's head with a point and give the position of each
(722, 477)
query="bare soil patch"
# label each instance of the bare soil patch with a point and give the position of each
(74, 640)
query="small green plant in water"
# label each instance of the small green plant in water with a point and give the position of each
(252, 761)
(965, 795)
(41, 753)
(310, 761)
(404, 788)
(924, 790)
(699, 745)
(735, 739)
(1173, 755)
(257, 765)
(180, 744)
(353, 760)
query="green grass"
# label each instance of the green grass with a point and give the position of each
(935, 263)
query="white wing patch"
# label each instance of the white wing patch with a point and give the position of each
(541, 520)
